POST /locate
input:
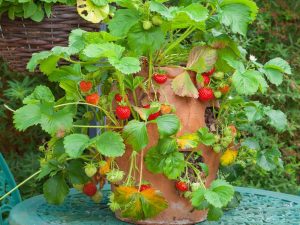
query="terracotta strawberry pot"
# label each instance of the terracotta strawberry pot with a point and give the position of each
(191, 113)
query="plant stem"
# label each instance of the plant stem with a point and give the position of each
(85, 103)
(7, 107)
(19, 185)
(141, 169)
(150, 72)
(96, 126)
(177, 42)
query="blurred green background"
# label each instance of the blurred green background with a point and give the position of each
(276, 33)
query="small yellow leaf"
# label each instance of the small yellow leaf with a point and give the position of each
(188, 141)
(90, 12)
(139, 205)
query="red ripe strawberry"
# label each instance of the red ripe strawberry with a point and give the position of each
(181, 186)
(118, 97)
(210, 72)
(92, 99)
(206, 80)
(152, 116)
(90, 189)
(145, 187)
(224, 89)
(206, 94)
(85, 86)
(160, 78)
(123, 112)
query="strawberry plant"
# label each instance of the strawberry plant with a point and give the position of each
(139, 111)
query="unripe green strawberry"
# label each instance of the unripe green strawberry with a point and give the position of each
(219, 75)
(147, 24)
(115, 176)
(97, 197)
(157, 20)
(90, 170)
(226, 141)
(217, 148)
(218, 94)
(187, 194)
(217, 138)
(195, 186)
(78, 187)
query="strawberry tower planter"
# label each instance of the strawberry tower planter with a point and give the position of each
(173, 80)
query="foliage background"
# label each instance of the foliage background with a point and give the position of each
(275, 33)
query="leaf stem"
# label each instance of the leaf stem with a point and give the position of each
(96, 126)
(177, 42)
(85, 103)
(141, 169)
(19, 185)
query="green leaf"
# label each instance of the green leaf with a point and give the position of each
(36, 59)
(249, 3)
(64, 73)
(39, 14)
(279, 64)
(174, 165)
(183, 86)
(75, 144)
(168, 124)
(126, 65)
(167, 145)
(246, 83)
(254, 112)
(214, 214)
(268, 160)
(133, 82)
(206, 137)
(194, 11)
(198, 197)
(40, 93)
(53, 121)
(100, 2)
(161, 9)
(110, 144)
(48, 65)
(154, 160)
(91, 12)
(274, 76)
(71, 89)
(29, 8)
(76, 41)
(55, 189)
(76, 172)
(109, 50)
(251, 143)
(202, 58)
(236, 16)
(144, 41)
(277, 119)
(117, 26)
(27, 116)
(135, 134)
(224, 191)
(213, 198)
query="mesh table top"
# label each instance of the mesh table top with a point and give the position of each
(258, 207)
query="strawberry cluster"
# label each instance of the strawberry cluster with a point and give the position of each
(213, 85)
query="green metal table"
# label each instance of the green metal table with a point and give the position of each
(258, 207)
